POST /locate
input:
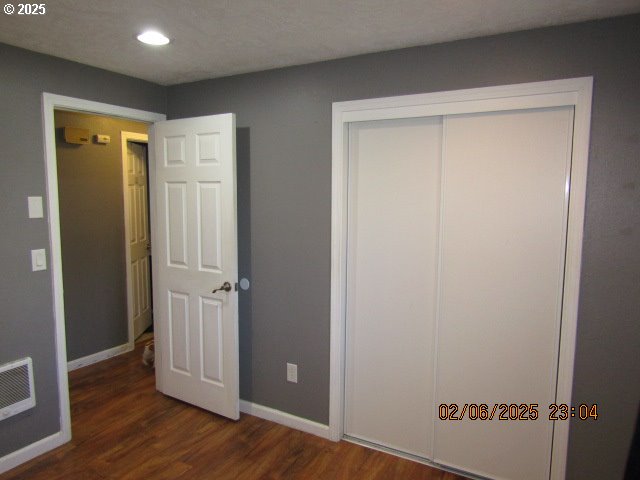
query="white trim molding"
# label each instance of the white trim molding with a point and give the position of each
(284, 418)
(98, 357)
(576, 92)
(50, 103)
(31, 451)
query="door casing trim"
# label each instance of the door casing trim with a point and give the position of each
(576, 92)
(50, 103)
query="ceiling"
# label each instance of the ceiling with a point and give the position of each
(215, 38)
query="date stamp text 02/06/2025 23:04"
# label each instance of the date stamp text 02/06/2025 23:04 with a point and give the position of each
(516, 411)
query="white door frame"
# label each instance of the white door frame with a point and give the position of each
(576, 92)
(50, 103)
(141, 138)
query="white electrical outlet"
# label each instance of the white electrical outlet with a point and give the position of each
(292, 373)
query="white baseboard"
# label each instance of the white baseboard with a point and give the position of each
(285, 419)
(98, 357)
(29, 452)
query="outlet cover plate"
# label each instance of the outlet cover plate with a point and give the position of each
(292, 373)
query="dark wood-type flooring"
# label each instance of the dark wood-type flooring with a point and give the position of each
(124, 429)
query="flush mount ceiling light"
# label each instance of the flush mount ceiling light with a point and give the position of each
(153, 37)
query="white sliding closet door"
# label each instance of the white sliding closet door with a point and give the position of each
(394, 194)
(505, 200)
(455, 270)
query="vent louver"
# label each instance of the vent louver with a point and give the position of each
(16, 387)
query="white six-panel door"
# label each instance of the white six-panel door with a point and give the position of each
(195, 253)
(138, 233)
(455, 269)
(505, 201)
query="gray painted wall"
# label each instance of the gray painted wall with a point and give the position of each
(284, 159)
(92, 233)
(284, 172)
(26, 318)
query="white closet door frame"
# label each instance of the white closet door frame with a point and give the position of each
(576, 92)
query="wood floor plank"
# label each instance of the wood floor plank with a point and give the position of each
(123, 429)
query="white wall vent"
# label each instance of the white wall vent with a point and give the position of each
(16, 387)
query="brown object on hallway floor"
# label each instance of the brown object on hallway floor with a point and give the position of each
(124, 429)
(148, 355)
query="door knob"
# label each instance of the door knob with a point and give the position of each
(226, 286)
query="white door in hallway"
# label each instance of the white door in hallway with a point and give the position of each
(195, 261)
(139, 238)
(455, 272)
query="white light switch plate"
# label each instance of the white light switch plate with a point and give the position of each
(35, 207)
(38, 260)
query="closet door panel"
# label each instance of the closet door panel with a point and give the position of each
(394, 195)
(505, 184)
